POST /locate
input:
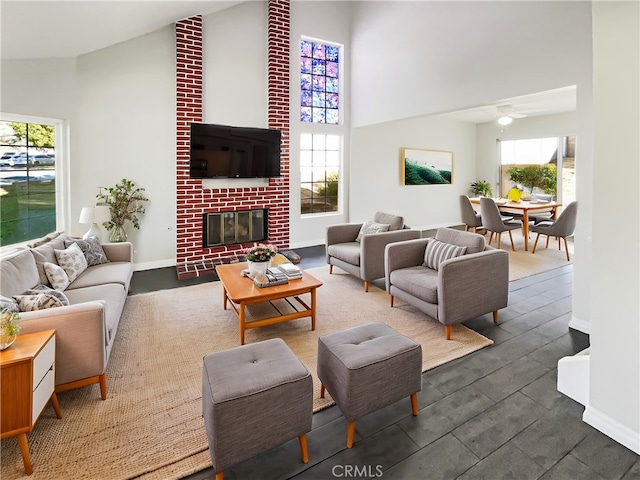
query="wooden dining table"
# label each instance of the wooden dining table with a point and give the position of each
(523, 207)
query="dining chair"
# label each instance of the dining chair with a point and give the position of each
(470, 217)
(494, 223)
(563, 227)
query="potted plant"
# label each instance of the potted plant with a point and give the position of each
(530, 177)
(9, 328)
(125, 201)
(259, 258)
(482, 188)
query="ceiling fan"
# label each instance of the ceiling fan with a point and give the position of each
(506, 114)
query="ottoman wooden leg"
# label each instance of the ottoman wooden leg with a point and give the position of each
(321, 390)
(414, 403)
(219, 475)
(351, 428)
(302, 439)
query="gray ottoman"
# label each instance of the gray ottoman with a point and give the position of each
(369, 367)
(254, 397)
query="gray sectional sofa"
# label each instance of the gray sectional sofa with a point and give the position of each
(87, 326)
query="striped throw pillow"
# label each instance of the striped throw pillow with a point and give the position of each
(437, 252)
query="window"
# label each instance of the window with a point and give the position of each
(28, 181)
(319, 172)
(319, 82)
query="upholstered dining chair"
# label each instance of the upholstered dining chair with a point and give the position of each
(563, 227)
(470, 217)
(493, 222)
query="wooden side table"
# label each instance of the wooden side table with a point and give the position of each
(27, 384)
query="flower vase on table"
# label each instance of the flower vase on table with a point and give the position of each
(118, 234)
(259, 258)
(9, 328)
(256, 268)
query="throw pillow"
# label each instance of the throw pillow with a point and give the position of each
(30, 303)
(437, 252)
(72, 260)
(50, 291)
(56, 275)
(371, 227)
(9, 304)
(93, 251)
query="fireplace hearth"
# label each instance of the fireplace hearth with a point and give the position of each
(232, 228)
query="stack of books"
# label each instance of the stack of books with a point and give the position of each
(290, 270)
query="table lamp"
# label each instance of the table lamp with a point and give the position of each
(94, 215)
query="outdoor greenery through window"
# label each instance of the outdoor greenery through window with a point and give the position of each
(319, 172)
(319, 82)
(27, 181)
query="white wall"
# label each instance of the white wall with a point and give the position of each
(328, 21)
(375, 177)
(417, 58)
(614, 396)
(126, 129)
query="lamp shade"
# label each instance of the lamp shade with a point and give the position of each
(86, 215)
(101, 214)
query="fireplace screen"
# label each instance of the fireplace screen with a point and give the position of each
(228, 228)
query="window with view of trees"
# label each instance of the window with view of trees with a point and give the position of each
(28, 181)
(319, 172)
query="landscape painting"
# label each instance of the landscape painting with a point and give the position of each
(426, 167)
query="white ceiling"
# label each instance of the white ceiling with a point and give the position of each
(54, 28)
(51, 28)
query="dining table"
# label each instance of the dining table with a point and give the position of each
(523, 207)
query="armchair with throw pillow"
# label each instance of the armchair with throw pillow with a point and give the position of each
(358, 248)
(452, 277)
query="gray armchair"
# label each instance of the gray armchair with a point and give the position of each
(462, 288)
(364, 258)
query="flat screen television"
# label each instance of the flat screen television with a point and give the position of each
(222, 151)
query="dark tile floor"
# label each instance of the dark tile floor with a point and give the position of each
(494, 414)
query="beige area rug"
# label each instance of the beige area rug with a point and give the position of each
(524, 263)
(151, 426)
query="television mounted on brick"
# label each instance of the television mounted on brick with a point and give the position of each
(223, 151)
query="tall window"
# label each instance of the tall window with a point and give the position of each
(28, 186)
(319, 82)
(319, 172)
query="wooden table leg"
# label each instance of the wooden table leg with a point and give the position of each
(242, 324)
(24, 448)
(313, 309)
(224, 298)
(525, 229)
(56, 405)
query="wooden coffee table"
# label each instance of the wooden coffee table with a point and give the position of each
(241, 291)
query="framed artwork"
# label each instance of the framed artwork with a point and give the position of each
(426, 167)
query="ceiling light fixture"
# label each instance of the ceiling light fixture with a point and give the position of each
(505, 120)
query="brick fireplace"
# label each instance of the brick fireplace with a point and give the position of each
(194, 201)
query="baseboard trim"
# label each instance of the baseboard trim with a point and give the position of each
(579, 324)
(612, 428)
(152, 265)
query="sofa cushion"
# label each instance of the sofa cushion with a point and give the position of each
(72, 260)
(92, 250)
(347, 252)
(420, 282)
(40, 301)
(473, 241)
(112, 295)
(56, 276)
(45, 239)
(371, 227)
(43, 251)
(395, 222)
(437, 252)
(112, 272)
(18, 272)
